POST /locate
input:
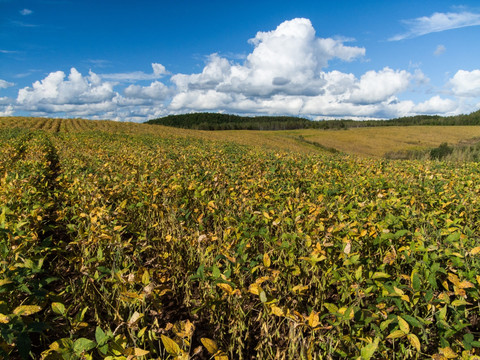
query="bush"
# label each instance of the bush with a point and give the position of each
(440, 152)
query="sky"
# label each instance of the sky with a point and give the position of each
(138, 60)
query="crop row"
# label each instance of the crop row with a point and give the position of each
(132, 245)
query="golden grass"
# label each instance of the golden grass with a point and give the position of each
(377, 141)
(367, 142)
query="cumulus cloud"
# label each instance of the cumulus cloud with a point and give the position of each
(375, 87)
(286, 73)
(466, 83)
(435, 105)
(75, 90)
(5, 84)
(437, 22)
(287, 60)
(91, 96)
(155, 90)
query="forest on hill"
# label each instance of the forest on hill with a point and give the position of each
(215, 121)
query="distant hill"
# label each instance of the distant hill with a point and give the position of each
(216, 121)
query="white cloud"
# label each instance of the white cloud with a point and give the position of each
(26, 12)
(91, 96)
(55, 90)
(439, 50)
(435, 105)
(436, 23)
(286, 73)
(155, 90)
(158, 71)
(375, 87)
(5, 84)
(287, 60)
(6, 110)
(466, 83)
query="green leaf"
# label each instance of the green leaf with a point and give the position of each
(263, 296)
(215, 271)
(443, 313)
(368, 350)
(467, 341)
(400, 233)
(412, 321)
(83, 345)
(416, 282)
(58, 308)
(358, 273)
(385, 324)
(460, 302)
(332, 308)
(100, 336)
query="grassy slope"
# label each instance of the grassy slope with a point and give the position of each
(375, 141)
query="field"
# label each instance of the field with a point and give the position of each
(127, 241)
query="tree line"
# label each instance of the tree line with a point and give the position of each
(217, 121)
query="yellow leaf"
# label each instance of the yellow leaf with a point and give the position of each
(414, 341)
(136, 352)
(276, 310)
(4, 319)
(299, 288)
(379, 275)
(396, 334)
(210, 345)
(225, 287)
(170, 345)
(453, 279)
(254, 289)
(313, 319)
(189, 328)
(25, 310)
(403, 325)
(475, 250)
(266, 260)
(465, 284)
(448, 353)
(4, 282)
(221, 356)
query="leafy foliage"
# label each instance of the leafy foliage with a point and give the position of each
(144, 245)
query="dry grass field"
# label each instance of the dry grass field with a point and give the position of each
(365, 142)
(377, 141)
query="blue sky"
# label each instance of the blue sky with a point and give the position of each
(137, 60)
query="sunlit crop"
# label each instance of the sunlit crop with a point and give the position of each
(122, 242)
